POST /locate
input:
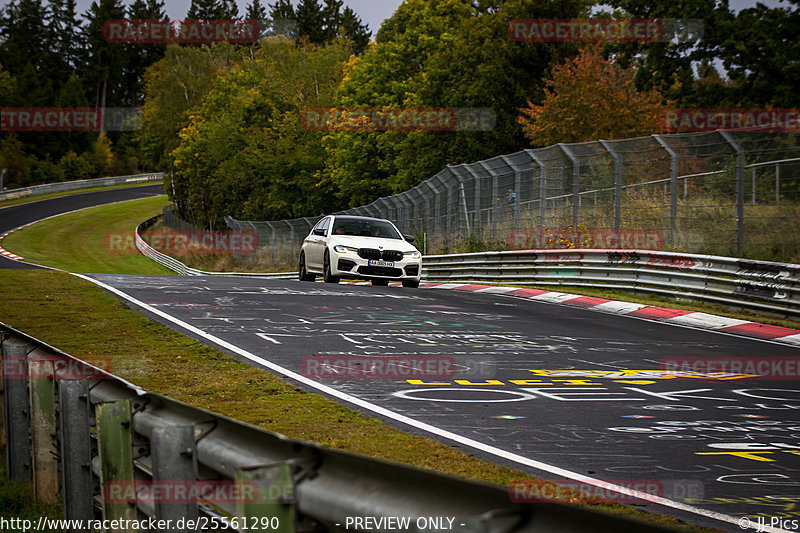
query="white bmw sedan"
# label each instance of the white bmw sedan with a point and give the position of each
(359, 247)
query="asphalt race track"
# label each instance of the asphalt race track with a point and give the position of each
(557, 391)
(18, 215)
(544, 388)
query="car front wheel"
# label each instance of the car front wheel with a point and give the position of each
(327, 277)
(304, 275)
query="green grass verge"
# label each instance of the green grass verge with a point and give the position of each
(35, 198)
(16, 501)
(99, 239)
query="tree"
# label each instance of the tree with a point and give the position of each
(173, 86)
(104, 69)
(256, 11)
(139, 56)
(352, 28)
(589, 98)
(206, 10)
(243, 152)
(440, 53)
(26, 51)
(310, 20)
(284, 19)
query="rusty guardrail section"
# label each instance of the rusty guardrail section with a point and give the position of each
(104, 444)
(743, 283)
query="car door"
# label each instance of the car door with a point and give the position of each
(315, 243)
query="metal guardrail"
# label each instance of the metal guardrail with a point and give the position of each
(65, 186)
(109, 433)
(743, 283)
(184, 270)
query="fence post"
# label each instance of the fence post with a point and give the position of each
(753, 179)
(493, 212)
(175, 463)
(739, 189)
(617, 184)
(542, 186)
(76, 449)
(41, 387)
(777, 184)
(673, 187)
(115, 451)
(18, 429)
(517, 189)
(576, 184)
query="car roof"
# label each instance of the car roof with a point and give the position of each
(354, 217)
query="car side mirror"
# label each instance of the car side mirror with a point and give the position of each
(409, 238)
(319, 231)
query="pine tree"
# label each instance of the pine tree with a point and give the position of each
(284, 18)
(331, 19)
(27, 53)
(104, 68)
(353, 29)
(139, 56)
(68, 35)
(310, 20)
(256, 11)
(205, 10)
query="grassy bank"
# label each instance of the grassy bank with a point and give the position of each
(99, 239)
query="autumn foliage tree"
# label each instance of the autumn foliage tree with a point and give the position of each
(589, 98)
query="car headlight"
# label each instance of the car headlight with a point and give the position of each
(342, 249)
(412, 255)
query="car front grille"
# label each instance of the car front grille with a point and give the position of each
(380, 271)
(378, 255)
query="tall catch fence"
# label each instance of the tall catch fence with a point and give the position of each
(722, 192)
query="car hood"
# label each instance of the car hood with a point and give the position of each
(372, 242)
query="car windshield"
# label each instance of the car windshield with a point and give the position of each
(365, 228)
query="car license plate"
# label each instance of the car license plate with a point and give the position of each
(374, 263)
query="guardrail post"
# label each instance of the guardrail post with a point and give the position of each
(673, 187)
(18, 430)
(76, 449)
(175, 463)
(617, 183)
(41, 387)
(273, 496)
(115, 450)
(576, 184)
(739, 189)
